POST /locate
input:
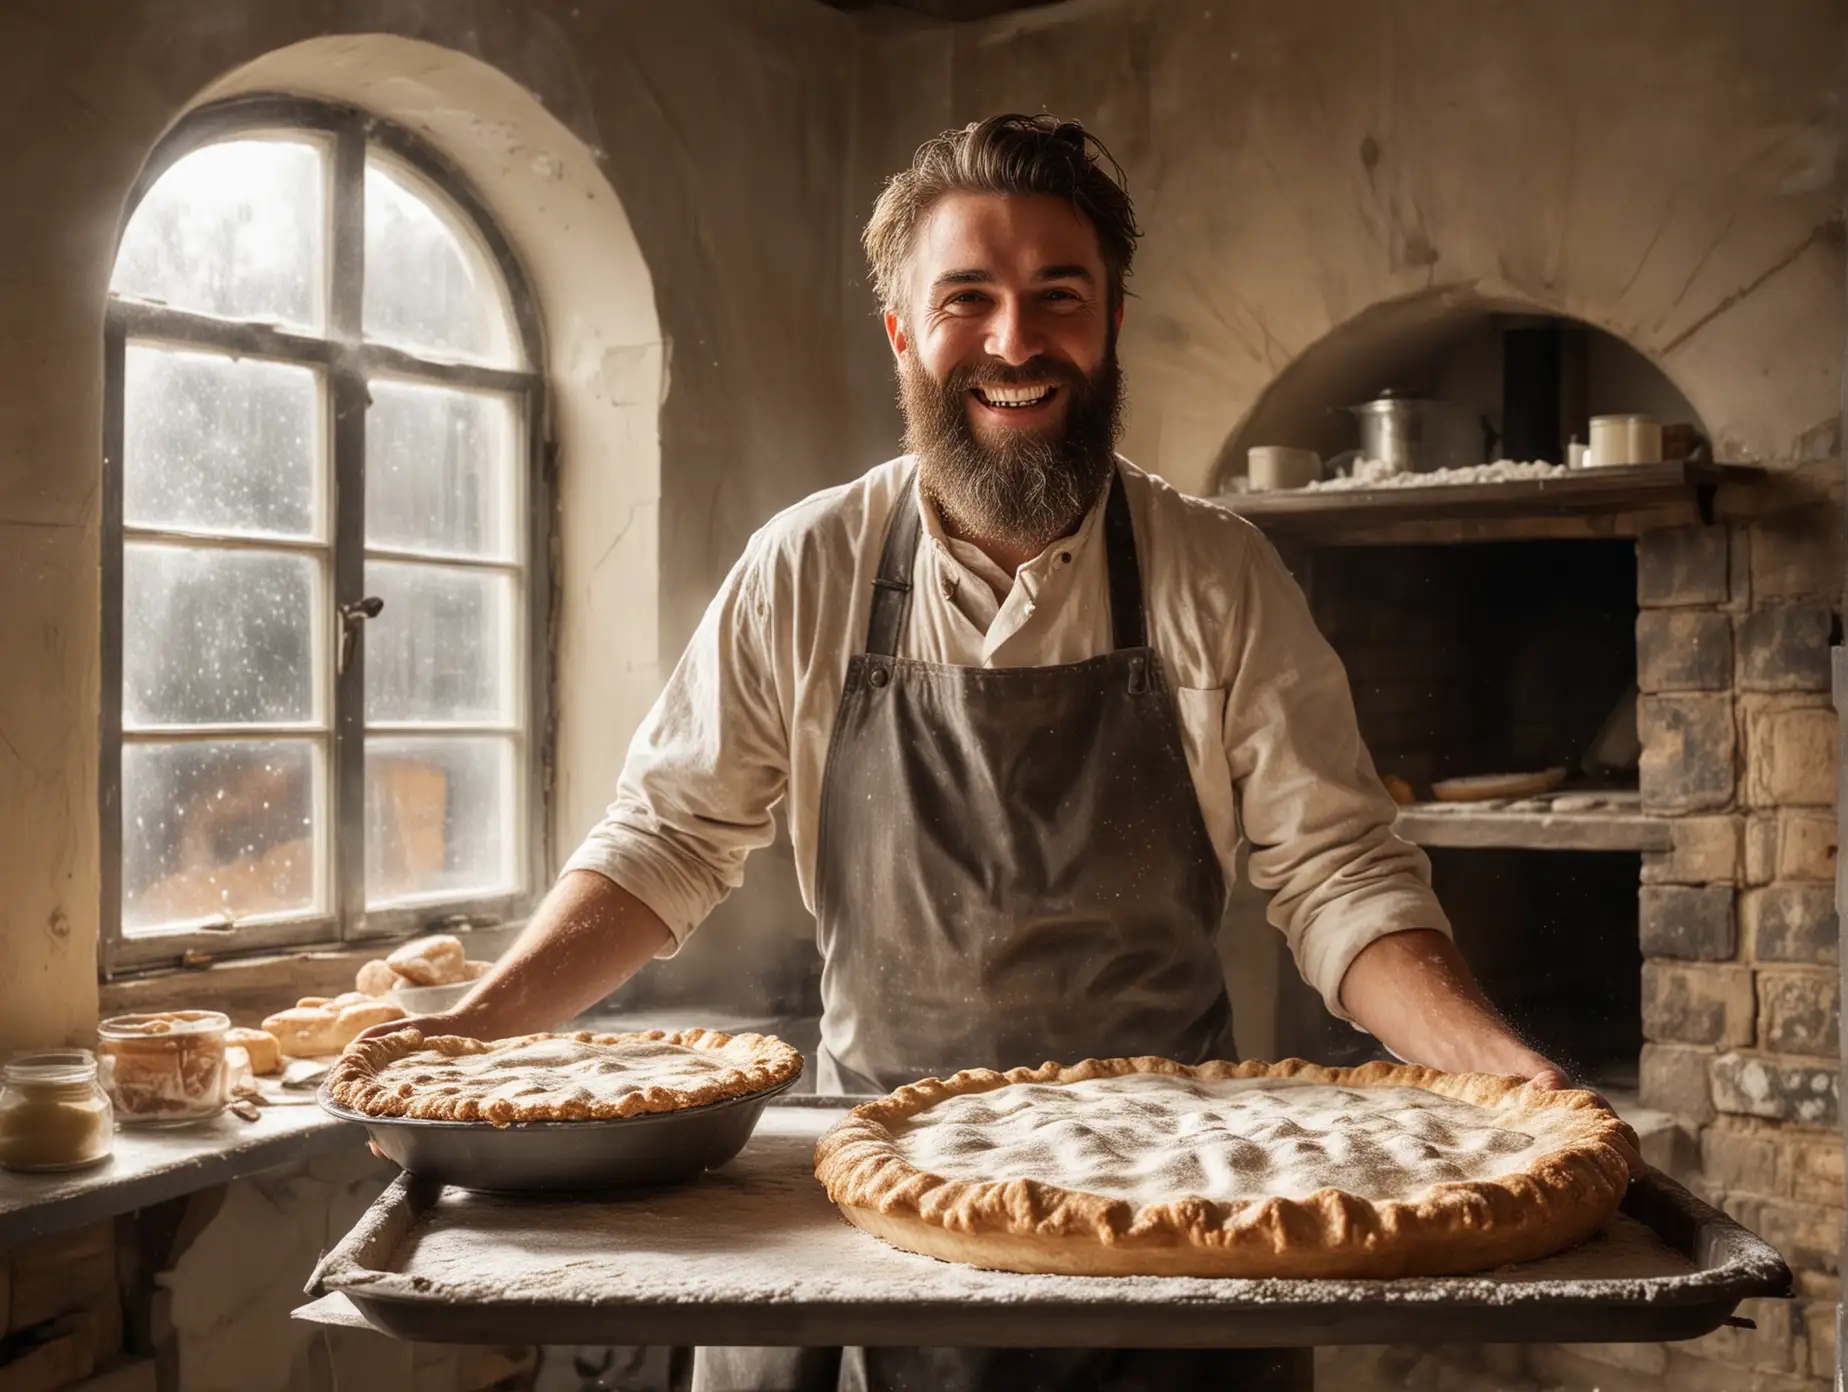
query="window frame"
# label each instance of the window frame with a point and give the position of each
(346, 362)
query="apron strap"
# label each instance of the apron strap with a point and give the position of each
(892, 585)
(1128, 626)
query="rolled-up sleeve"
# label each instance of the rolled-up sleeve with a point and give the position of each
(1318, 819)
(705, 768)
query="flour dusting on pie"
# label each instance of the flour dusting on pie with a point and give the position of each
(555, 1077)
(1152, 1138)
(1148, 1167)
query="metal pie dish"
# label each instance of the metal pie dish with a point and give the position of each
(553, 1157)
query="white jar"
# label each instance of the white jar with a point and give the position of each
(1629, 439)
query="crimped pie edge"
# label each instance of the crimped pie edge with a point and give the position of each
(1559, 1199)
(761, 1061)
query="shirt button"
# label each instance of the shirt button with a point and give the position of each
(1065, 558)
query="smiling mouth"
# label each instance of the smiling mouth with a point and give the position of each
(1014, 398)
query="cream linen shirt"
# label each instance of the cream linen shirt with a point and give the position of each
(1264, 710)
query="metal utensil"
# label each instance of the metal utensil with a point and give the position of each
(567, 1156)
(1413, 434)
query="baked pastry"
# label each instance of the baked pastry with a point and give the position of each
(432, 961)
(1148, 1167)
(555, 1077)
(378, 978)
(264, 1051)
(318, 1025)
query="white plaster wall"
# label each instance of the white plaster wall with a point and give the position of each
(1665, 170)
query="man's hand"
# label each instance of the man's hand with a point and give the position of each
(453, 1021)
(1414, 993)
(587, 938)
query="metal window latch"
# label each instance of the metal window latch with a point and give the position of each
(351, 617)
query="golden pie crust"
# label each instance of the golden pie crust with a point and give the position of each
(555, 1077)
(1573, 1171)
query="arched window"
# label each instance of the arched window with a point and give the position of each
(325, 532)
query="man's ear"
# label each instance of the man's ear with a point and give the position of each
(895, 335)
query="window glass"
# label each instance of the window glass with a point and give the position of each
(212, 443)
(429, 289)
(442, 647)
(217, 637)
(235, 230)
(440, 471)
(439, 817)
(218, 830)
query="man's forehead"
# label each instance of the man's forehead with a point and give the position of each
(1004, 234)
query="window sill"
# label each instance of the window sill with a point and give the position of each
(151, 1166)
(249, 988)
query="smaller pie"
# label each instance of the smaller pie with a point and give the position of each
(1143, 1166)
(555, 1077)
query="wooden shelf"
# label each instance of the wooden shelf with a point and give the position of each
(1457, 825)
(1620, 501)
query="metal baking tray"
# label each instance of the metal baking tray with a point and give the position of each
(753, 1253)
(550, 1157)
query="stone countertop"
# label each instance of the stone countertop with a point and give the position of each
(151, 1165)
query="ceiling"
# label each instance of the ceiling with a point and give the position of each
(944, 9)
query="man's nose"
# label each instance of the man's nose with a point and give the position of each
(1012, 336)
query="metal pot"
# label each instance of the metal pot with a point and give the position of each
(1411, 434)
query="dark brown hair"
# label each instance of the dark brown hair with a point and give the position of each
(1011, 154)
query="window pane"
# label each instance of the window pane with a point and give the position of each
(439, 818)
(429, 288)
(220, 444)
(234, 229)
(211, 637)
(440, 471)
(441, 649)
(219, 828)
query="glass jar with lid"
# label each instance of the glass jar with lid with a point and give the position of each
(54, 1114)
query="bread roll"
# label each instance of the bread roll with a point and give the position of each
(328, 1026)
(433, 961)
(265, 1053)
(375, 978)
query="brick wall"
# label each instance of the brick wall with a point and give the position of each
(1740, 979)
(1741, 999)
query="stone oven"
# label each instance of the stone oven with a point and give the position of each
(1663, 923)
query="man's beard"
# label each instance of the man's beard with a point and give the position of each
(1030, 488)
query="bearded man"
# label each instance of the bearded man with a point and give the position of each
(1022, 701)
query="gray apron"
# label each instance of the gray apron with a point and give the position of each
(1012, 867)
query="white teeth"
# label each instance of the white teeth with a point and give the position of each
(1014, 396)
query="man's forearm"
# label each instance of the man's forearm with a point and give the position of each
(1413, 992)
(587, 937)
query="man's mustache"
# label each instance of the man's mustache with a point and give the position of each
(993, 372)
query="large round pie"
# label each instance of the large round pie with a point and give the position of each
(1148, 1167)
(555, 1077)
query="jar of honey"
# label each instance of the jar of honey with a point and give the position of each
(54, 1115)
